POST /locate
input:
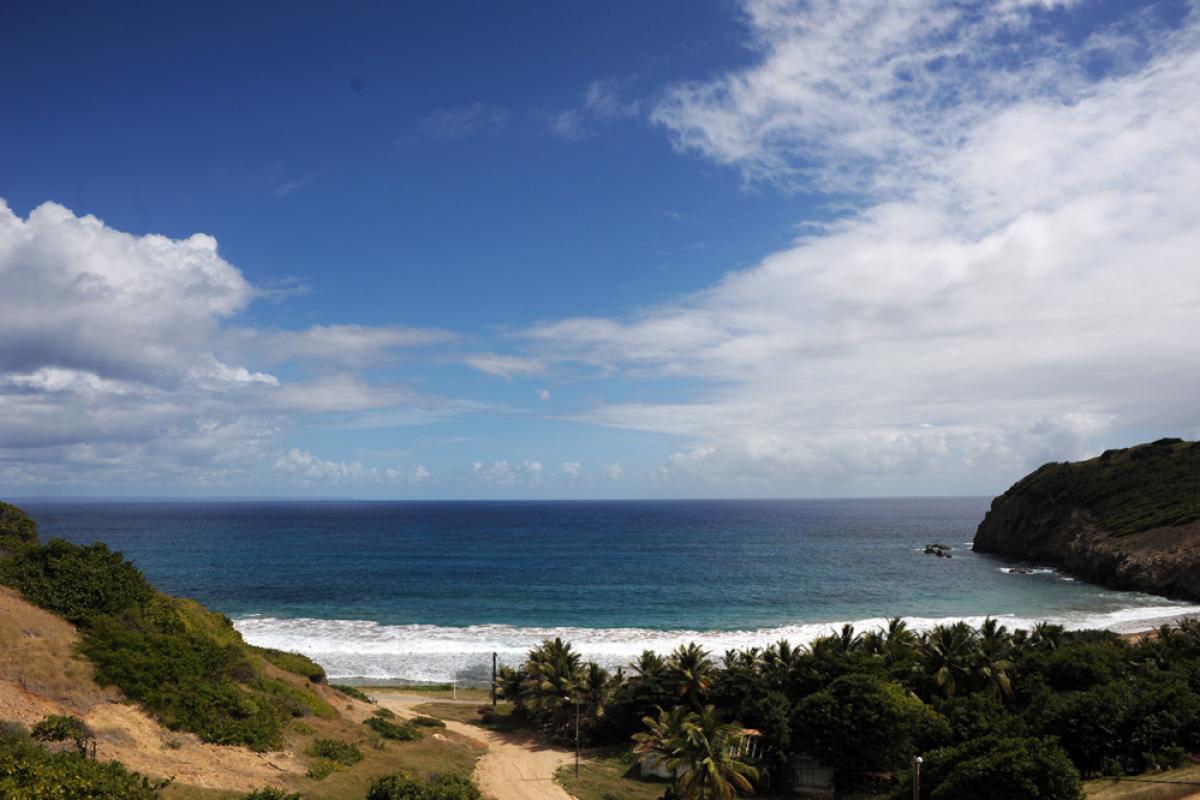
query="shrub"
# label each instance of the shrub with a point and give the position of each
(385, 713)
(271, 793)
(343, 753)
(17, 529)
(400, 732)
(995, 768)
(322, 768)
(352, 691)
(27, 772)
(77, 582)
(427, 722)
(862, 724)
(60, 728)
(403, 786)
(294, 663)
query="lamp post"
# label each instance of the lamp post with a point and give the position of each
(576, 737)
(917, 762)
(493, 680)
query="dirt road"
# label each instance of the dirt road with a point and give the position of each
(515, 767)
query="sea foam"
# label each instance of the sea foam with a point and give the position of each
(366, 649)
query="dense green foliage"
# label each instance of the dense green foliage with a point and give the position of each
(397, 731)
(60, 728)
(271, 793)
(75, 582)
(403, 786)
(17, 529)
(184, 664)
(352, 691)
(343, 753)
(1043, 707)
(995, 768)
(1123, 491)
(28, 772)
(295, 663)
(427, 722)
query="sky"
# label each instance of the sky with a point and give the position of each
(770, 248)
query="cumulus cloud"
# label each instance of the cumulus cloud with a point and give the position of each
(501, 473)
(1018, 281)
(119, 360)
(613, 471)
(571, 469)
(310, 469)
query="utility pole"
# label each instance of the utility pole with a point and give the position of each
(493, 680)
(576, 737)
(917, 762)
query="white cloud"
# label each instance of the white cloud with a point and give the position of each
(353, 345)
(501, 473)
(602, 104)
(463, 121)
(307, 467)
(1021, 278)
(119, 365)
(613, 471)
(544, 394)
(571, 469)
(504, 366)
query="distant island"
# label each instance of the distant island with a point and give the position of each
(1127, 519)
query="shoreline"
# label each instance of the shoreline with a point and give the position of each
(361, 650)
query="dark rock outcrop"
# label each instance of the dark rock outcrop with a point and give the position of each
(1129, 519)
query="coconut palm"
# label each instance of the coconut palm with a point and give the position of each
(649, 665)
(993, 664)
(693, 672)
(700, 752)
(1046, 636)
(592, 691)
(949, 655)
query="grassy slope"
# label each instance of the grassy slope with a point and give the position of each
(1109, 789)
(608, 776)
(1125, 491)
(39, 654)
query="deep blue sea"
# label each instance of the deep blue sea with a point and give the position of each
(427, 591)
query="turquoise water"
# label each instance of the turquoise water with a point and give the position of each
(429, 590)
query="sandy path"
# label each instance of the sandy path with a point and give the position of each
(515, 766)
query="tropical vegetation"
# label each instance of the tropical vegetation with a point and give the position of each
(995, 713)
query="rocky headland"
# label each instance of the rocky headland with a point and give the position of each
(1128, 519)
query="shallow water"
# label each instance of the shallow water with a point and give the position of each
(429, 590)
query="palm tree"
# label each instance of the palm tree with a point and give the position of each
(649, 665)
(693, 673)
(994, 647)
(700, 752)
(592, 691)
(948, 652)
(1046, 636)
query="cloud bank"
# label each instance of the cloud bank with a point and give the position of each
(1018, 280)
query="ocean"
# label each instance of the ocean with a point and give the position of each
(427, 591)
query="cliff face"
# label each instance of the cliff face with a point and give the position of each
(1129, 519)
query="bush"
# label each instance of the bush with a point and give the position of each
(17, 529)
(427, 722)
(398, 731)
(995, 768)
(271, 793)
(185, 681)
(59, 728)
(78, 583)
(863, 724)
(343, 753)
(403, 786)
(322, 768)
(27, 772)
(352, 691)
(385, 713)
(294, 663)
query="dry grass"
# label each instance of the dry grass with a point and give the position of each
(1140, 788)
(37, 654)
(433, 692)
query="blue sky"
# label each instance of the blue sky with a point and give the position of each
(771, 248)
